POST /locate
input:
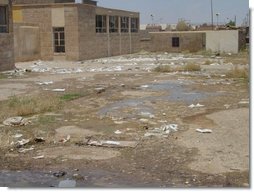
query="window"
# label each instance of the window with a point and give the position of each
(175, 42)
(59, 39)
(134, 25)
(101, 24)
(3, 19)
(124, 24)
(113, 24)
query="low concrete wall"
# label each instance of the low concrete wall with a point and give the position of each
(26, 42)
(222, 41)
(162, 41)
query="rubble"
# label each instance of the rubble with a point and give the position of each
(24, 150)
(22, 142)
(195, 106)
(204, 130)
(59, 174)
(39, 157)
(16, 121)
(58, 90)
(113, 144)
(163, 131)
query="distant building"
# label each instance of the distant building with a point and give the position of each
(6, 36)
(63, 29)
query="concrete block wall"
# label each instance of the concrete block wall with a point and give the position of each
(41, 15)
(26, 42)
(7, 42)
(162, 41)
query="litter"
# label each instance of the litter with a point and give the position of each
(204, 130)
(244, 103)
(39, 157)
(59, 174)
(39, 139)
(58, 90)
(163, 131)
(16, 121)
(65, 140)
(45, 83)
(196, 106)
(118, 132)
(113, 144)
(119, 122)
(24, 150)
(17, 135)
(22, 142)
(144, 86)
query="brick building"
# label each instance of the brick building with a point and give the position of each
(6, 36)
(63, 29)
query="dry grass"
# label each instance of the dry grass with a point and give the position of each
(29, 105)
(237, 72)
(169, 69)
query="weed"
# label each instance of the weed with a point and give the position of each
(237, 72)
(29, 105)
(71, 96)
(163, 69)
(46, 119)
(191, 67)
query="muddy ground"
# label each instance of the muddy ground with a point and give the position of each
(124, 99)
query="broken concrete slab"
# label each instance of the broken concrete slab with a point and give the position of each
(113, 144)
(16, 121)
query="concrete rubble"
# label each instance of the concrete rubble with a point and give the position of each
(163, 131)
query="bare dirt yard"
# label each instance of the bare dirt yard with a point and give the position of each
(141, 120)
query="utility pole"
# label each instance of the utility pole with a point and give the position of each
(212, 12)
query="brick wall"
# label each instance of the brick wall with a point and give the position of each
(7, 44)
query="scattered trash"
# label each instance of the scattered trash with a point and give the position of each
(17, 135)
(39, 157)
(196, 106)
(227, 106)
(118, 132)
(59, 174)
(204, 130)
(144, 86)
(163, 131)
(67, 184)
(77, 176)
(119, 122)
(113, 144)
(39, 139)
(24, 150)
(64, 140)
(58, 90)
(45, 83)
(100, 90)
(16, 121)
(22, 142)
(147, 114)
(244, 103)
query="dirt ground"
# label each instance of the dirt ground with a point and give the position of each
(122, 100)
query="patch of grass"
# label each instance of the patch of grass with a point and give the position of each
(241, 73)
(71, 96)
(29, 105)
(169, 69)
(164, 69)
(2, 76)
(44, 120)
(191, 67)
(207, 62)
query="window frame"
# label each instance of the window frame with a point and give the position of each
(134, 25)
(175, 42)
(59, 40)
(4, 27)
(125, 24)
(113, 24)
(101, 24)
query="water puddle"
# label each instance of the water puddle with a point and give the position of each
(95, 178)
(174, 91)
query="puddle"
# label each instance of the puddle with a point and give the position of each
(95, 178)
(175, 91)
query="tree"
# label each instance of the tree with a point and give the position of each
(230, 23)
(182, 26)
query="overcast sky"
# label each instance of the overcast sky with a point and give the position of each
(169, 11)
